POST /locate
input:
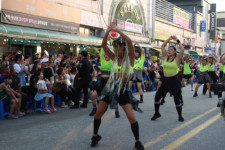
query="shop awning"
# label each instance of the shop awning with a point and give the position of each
(157, 49)
(145, 45)
(46, 35)
(202, 54)
(193, 53)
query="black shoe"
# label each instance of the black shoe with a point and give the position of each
(203, 93)
(95, 140)
(83, 105)
(141, 101)
(180, 118)
(162, 101)
(218, 105)
(93, 112)
(210, 96)
(75, 107)
(156, 115)
(139, 146)
(195, 95)
(117, 114)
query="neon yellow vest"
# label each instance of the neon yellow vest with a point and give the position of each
(139, 63)
(187, 69)
(169, 67)
(105, 65)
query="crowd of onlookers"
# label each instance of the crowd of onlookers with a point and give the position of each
(23, 81)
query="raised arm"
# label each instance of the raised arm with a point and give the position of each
(181, 54)
(142, 50)
(163, 48)
(104, 44)
(129, 43)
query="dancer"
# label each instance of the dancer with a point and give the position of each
(138, 68)
(187, 70)
(170, 60)
(106, 64)
(212, 73)
(204, 76)
(117, 89)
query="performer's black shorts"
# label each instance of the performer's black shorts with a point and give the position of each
(123, 99)
(187, 76)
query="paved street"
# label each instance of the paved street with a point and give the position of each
(203, 128)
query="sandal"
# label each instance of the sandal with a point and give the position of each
(53, 109)
(48, 111)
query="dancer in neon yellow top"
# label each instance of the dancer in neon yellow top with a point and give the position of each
(204, 76)
(171, 61)
(187, 70)
(117, 90)
(138, 70)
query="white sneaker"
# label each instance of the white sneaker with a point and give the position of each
(64, 106)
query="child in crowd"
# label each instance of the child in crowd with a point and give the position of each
(8, 97)
(73, 75)
(42, 93)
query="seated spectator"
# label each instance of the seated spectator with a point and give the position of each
(7, 96)
(154, 75)
(47, 72)
(43, 93)
(4, 71)
(61, 88)
(16, 86)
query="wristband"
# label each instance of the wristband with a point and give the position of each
(178, 41)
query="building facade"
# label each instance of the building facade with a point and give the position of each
(70, 26)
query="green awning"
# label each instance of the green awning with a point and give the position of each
(193, 53)
(46, 35)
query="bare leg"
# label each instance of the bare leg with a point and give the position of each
(12, 108)
(46, 102)
(52, 102)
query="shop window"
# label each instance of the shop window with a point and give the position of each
(3, 47)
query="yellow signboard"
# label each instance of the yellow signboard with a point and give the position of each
(162, 35)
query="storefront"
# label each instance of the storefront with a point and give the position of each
(34, 30)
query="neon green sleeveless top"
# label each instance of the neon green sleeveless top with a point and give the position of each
(178, 69)
(211, 67)
(139, 63)
(170, 67)
(204, 68)
(187, 69)
(222, 67)
(118, 69)
(105, 65)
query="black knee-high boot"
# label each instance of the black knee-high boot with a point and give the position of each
(179, 111)
(97, 123)
(135, 130)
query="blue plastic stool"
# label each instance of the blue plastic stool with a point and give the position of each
(4, 109)
(39, 105)
(58, 100)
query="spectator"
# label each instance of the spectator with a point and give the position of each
(4, 71)
(21, 68)
(43, 93)
(36, 57)
(60, 87)
(48, 75)
(16, 86)
(7, 96)
(5, 60)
